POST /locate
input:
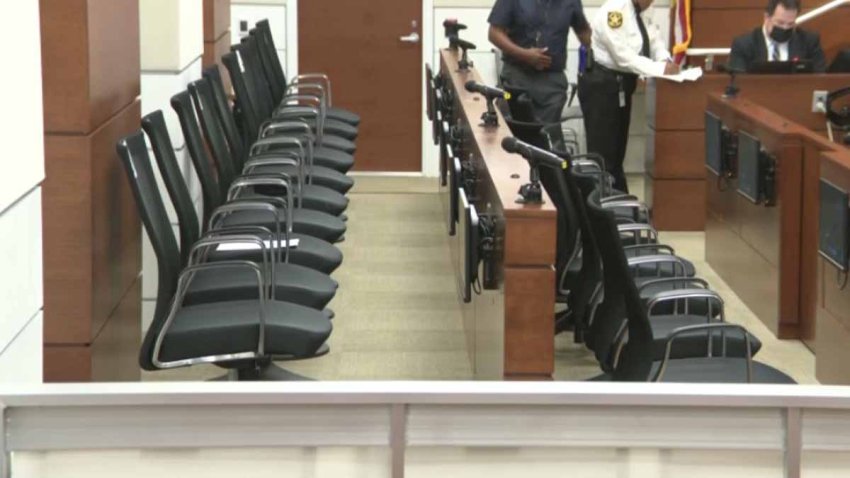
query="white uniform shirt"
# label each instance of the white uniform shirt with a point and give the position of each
(783, 47)
(617, 41)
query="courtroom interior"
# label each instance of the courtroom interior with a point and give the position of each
(611, 236)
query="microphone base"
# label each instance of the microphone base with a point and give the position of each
(489, 119)
(530, 193)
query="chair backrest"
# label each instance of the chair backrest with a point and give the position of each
(248, 116)
(264, 105)
(163, 151)
(275, 85)
(265, 29)
(211, 185)
(225, 115)
(622, 302)
(214, 134)
(137, 164)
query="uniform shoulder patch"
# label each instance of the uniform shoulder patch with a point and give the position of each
(615, 19)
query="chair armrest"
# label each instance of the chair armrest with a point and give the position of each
(198, 253)
(254, 205)
(637, 249)
(183, 281)
(688, 295)
(637, 207)
(307, 87)
(688, 282)
(255, 231)
(710, 328)
(637, 231)
(261, 145)
(657, 261)
(315, 76)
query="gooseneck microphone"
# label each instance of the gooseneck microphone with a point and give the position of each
(533, 154)
(474, 87)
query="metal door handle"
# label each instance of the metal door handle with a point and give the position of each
(412, 38)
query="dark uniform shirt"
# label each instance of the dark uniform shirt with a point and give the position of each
(541, 24)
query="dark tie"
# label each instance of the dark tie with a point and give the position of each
(644, 49)
(775, 52)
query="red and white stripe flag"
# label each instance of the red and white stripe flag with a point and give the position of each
(682, 32)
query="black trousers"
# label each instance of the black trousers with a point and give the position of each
(606, 103)
(547, 89)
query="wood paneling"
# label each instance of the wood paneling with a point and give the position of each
(717, 26)
(92, 247)
(529, 341)
(213, 51)
(678, 204)
(111, 357)
(677, 122)
(216, 19)
(678, 155)
(90, 61)
(92, 233)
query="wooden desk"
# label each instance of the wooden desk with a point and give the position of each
(510, 330)
(769, 255)
(675, 156)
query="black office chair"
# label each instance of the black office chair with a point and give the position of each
(319, 175)
(627, 345)
(311, 252)
(249, 51)
(308, 196)
(241, 335)
(217, 187)
(256, 131)
(334, 113)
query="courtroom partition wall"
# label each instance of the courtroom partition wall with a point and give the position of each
(769, 254)
(756, 248)
(832, 293)
(675, 177)
(509, 322)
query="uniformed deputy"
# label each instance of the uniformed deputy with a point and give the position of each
(532, 35)
(625, 46)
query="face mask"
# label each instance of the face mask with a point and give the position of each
(781, 35)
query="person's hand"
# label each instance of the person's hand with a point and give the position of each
(538, 58)
(671, 68)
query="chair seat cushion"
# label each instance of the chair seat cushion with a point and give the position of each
(696, 344)
(293, 283)
(327, 157)
(304, 221)
(719, 370)
(338, 142)
(321, 175)
(311, 252)
(233, 327)
(313, 196)
(341, 114)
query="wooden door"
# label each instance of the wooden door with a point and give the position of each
(374, 72)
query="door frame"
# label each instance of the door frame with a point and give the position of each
(428, 158)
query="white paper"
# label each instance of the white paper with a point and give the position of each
(253, 246)
(689, 74)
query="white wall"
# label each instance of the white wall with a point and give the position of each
(22, 137)
(172, 43)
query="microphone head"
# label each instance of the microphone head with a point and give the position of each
(509, 144)
(470, 86)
